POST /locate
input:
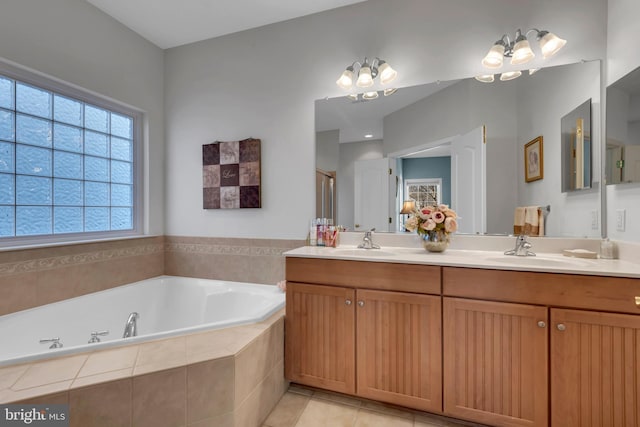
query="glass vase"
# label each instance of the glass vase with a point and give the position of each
(435, 241)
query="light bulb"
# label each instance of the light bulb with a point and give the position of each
(387, 74)
(370, 95)
(485, 78)
(495, 57)
(510, 75)
(364, 76)
(521, 51)
(345, 81)
(550, 44)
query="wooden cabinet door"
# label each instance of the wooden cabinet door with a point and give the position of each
(399, 348)
(495, 362)
(595, 369)
(320, 336)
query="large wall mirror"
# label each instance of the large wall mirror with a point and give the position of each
(461, 143)
(623, 130)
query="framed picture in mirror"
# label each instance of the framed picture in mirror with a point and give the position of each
(533, 160)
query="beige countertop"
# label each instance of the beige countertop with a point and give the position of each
(458, 256)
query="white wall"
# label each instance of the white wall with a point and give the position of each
(543, 100)
(263, 83)
(327, 150)
(345, 177)
(623, 27)
(76, 42)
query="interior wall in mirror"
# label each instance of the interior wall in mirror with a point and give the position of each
(576, 148)
(512, 112)
(623, 130)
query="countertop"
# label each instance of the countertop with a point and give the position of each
(486, 259)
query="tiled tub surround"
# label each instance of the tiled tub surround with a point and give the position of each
(244, 260)
(34, 277)
(166, 305)
(227, 377)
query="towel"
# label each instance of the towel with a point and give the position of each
(528, 220)
(518, 221)
(531, 221)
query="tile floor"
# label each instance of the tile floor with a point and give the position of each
(306, 407)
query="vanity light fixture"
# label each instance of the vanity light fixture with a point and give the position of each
(520, 52)
(367, 72)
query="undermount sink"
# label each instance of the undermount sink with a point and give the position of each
(363, 252)
(541, 261)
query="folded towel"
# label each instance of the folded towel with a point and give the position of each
(531, 221)
(518, 220)
(540, 222)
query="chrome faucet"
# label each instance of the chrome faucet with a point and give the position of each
(95, 336)
(55, 342)
(522, 247)
(367, 241)
(131, 327)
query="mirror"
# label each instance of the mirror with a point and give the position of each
(420, 125)
(576, 148)
(623, 130)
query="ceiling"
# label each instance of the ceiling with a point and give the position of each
(171, 23)
(354, 119)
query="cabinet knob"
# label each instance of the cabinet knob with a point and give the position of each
(561, 327)
(638, 302)
(361, 303)
(347, 302)
(541, 324)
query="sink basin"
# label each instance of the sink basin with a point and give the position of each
(540, 261)
(363, 252)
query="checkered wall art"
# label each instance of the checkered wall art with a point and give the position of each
(231, 174)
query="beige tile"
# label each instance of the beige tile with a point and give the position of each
(224, 420)
(105, 405)
(162, 354)
(287, 411)
(375, 419)
(322, 413)
(253, 364)
(210, 389)
(159, 399)
(66, 282)
(48, 399)
(109, 360)
(218, 343)
(8, 395)
(10, 374)
(18, 292)
(51, 371)
(386, 409)
(102, 378)
(263, 398)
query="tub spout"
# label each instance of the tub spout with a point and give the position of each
(131, 327)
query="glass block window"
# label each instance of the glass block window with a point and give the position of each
(426, 192)
(66, 164)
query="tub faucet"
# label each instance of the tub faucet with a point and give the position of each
(95, 336)
(367, 241)
(131, 327)
(522, 247)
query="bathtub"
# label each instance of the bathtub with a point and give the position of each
(167, 306)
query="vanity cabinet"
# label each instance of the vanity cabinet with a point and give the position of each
(495, 362)
(595, 368)
(346, 332)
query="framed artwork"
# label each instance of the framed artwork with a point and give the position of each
(533, 160)
(231, 174)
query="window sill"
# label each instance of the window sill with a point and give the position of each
(27, 246)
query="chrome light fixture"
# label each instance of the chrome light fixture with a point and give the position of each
(520, 52)
(367, 72)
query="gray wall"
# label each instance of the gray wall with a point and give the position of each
(73, 41)
(430, 167)
(327, 150)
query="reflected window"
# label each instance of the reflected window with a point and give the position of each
(426, 192)
(66, 163)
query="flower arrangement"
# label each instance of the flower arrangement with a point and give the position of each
(433, 224)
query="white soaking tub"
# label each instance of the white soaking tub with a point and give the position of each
(167, 306)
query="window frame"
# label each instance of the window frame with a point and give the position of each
(65, 89)
(424, 181)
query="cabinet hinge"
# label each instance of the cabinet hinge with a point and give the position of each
(389, 220)
(390, 171)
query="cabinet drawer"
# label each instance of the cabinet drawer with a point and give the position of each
(424, 279)
(552, 289)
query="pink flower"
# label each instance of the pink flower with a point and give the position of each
(411, 224)
(443, 207)
(450, 225)
(450, 213)
(428, 225)
(425, 213)
(438, 217)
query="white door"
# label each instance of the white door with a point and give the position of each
(371, 200)
(468, 184)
